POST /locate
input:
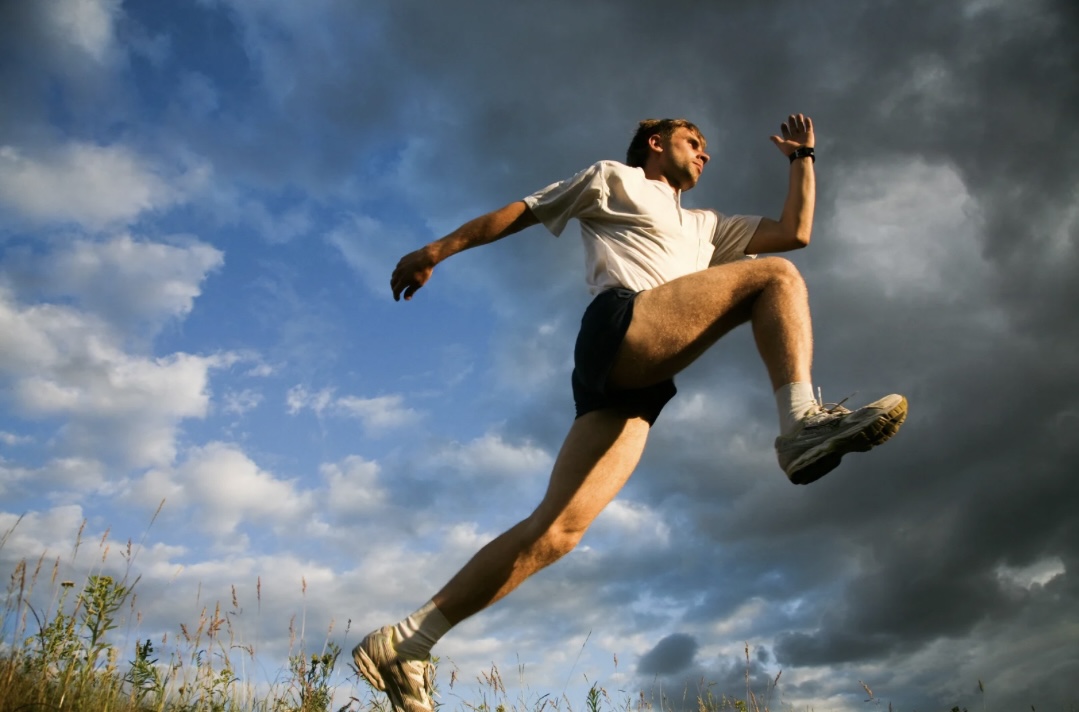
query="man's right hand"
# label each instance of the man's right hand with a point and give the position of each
(411, 273)
(415, 268)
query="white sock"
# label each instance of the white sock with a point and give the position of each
(418, 633)
(793, 401)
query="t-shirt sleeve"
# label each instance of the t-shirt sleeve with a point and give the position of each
(575, 197)
(732, 236)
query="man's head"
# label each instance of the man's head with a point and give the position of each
(670, 150)
(639, 148)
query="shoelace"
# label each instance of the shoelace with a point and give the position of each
(831, 407)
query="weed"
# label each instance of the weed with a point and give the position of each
(59, 652)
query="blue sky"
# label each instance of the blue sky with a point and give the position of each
(200, 207)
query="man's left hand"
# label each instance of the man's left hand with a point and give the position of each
(797, 131)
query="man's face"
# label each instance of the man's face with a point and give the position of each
(683, 158)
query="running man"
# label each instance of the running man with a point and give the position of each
(669, 282)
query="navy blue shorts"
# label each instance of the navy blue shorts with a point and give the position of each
(603, 327)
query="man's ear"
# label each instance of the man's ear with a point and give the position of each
(655, 143)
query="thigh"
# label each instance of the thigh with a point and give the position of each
(597, 458)
(675, 323)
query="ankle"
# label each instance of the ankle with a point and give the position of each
(794, 402)
(418, 633)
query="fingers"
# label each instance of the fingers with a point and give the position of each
(796, 131)
(406, 291)
(796, 124)
(403, 287)
(407, 278)
(398, 283)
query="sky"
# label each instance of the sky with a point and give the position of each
(200, 206)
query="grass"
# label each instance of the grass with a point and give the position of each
(64, 657)
(60, 650)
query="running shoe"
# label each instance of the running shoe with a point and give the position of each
(828, 433)
(408, 683)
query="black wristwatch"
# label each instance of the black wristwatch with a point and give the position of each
(803, 152)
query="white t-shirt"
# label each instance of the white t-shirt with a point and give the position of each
(636, 233)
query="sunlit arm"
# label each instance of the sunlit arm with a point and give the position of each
(415, 268)
(794, 228)
(483, 230)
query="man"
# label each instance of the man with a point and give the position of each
(669, 283)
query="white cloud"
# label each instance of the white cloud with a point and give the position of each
(633, 524)
(11, 439)
(299, 398)
(905, 227)
(87, 184)
(370, 250)
(353, 485)
(72, 361)
(376, 414)
(62, 478)
(119, 406)
(278, 228)
(223, 488)
(61, 363)
(490, 456)
(127, 280)
(240, 402)
(260, 370)
(534, 358)
(265, 27)
(11, 475)
(1038, 573)
(31, 535)
(86, 25)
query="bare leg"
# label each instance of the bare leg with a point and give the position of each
(672, 326)
(675, 323)
(602, 448)
(597, 458)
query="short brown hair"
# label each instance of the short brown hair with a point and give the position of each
(637, 153)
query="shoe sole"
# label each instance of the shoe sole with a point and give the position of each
(829, 456)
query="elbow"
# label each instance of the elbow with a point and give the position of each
(792, 234)
(799, 239)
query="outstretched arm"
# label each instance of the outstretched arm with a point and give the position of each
(415, 268)
(795, 225)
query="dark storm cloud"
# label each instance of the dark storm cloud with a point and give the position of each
(671, 655)
(447, 111)
(902, 548)
(906, 543)
(43, 71)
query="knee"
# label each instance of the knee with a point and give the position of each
(782, 270)
(779, 266)
(555, 542)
